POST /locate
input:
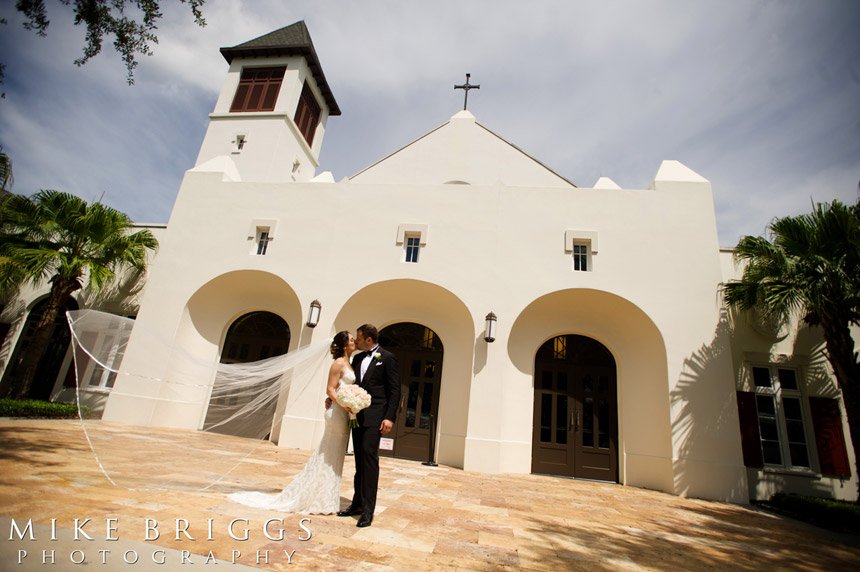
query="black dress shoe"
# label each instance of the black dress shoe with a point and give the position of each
(349, 511)
(365, 520)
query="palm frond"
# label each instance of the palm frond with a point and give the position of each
(59, 236)
(6, 178)
(810, 265)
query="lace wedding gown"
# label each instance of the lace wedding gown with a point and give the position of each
(316, 489)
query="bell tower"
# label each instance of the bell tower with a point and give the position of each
(271, 114)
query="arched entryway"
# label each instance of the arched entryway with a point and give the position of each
(419, 354)
(398, 301)
(575, 409)
(252, 337)
(52, 360)
(256, 336)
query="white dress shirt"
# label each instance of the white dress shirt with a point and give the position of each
(365, 362)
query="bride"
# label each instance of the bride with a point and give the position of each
(316, 489)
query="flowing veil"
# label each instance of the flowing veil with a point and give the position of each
(244, 399)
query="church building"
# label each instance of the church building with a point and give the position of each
(540, 326)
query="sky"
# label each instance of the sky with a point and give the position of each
(762, 98)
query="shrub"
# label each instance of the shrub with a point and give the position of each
(35, 409)
(836, 515)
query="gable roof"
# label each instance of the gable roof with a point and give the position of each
(291, 40)
(461, 151)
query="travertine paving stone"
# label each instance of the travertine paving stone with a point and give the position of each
(428, 518)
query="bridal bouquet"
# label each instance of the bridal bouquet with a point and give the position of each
(352, 398)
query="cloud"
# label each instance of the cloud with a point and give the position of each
(760, 98)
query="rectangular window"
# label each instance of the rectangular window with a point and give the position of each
(781, 425)
(412, 246)
(239, 143)
(580, 257)
(262, 241)
(258, 89)
(102, 374)
(307, 114)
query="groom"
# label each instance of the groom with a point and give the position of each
(376, 372)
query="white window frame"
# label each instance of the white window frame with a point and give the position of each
(581, 257)
(95, 376)
(409, 237)
(411, 248)
(255, 234)
(262, 241)
(576, 239)
(239, 143)
(778, 394)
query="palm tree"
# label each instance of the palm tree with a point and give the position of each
(59, 238)
(810, 268)
(5, 171)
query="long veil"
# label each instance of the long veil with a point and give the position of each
(245, 400)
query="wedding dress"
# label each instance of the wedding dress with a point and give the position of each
(316, 489)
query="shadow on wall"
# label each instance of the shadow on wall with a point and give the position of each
(708, 414)
(819, 382)
(120, 297)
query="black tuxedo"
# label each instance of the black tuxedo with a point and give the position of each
(382, 382)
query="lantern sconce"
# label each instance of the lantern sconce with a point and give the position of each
(314, 314)
(490, 328)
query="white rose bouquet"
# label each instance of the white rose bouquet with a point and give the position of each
(352, 398)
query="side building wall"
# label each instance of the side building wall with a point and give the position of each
(782, 373)
(121, 297)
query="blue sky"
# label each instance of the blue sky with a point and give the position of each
(760, 97)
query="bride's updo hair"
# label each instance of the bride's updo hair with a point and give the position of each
(338, 345)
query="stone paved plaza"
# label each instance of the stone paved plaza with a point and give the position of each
(428, 518)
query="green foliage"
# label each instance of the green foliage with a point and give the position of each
(828, 513)
(809, 265)
(58, 237)
(5, 161)
(132, 23)
(32, 408)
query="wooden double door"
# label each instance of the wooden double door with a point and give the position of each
(419, 357)
(575, 410)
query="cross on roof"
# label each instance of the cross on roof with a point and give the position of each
(466, 87)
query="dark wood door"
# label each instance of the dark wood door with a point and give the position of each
(595, 425)
(420, 378)
(575, 419)
(552, 446)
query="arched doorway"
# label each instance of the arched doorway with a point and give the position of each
(52, 360)
(575, 430)
(419, 355)
(252, 337)
(256, 336)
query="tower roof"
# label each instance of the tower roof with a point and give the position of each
(287, 41)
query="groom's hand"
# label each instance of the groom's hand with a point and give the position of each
(328, 403)
(385, 427)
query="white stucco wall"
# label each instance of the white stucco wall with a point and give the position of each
(274, 149)
(651, 299)
(800, 347)
(461, 151)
